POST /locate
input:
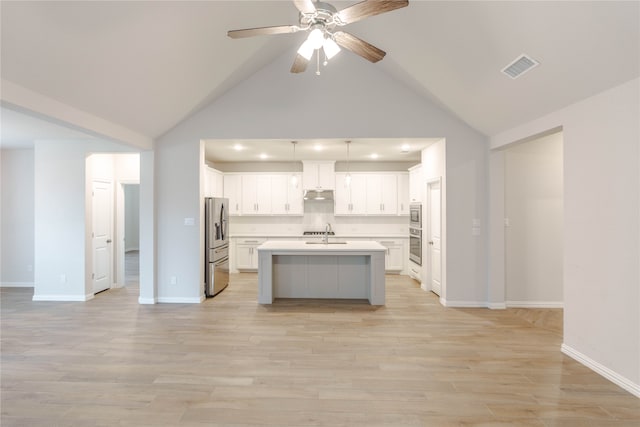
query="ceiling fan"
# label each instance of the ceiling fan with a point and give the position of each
(321, 20)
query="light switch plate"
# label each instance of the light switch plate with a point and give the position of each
(189, 221)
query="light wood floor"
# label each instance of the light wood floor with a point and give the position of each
(232, 362)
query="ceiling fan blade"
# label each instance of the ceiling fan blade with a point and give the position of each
(299, 64)
(305, 6)
(368, 8)
(358, 46)
(263, 31)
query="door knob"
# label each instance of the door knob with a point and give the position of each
(431, 243)
(108, 240)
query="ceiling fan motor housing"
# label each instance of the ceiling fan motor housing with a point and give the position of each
(324, 16)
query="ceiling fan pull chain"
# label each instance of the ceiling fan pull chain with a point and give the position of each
(317, 62)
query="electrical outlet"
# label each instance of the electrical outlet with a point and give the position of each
(29, 267)
(63, 278)
(173, 280)
(507, 223)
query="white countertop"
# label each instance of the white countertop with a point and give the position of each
(302, 246)
(375, 236)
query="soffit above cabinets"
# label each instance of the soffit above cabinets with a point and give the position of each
(280, 150)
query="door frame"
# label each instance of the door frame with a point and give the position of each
(426, 227)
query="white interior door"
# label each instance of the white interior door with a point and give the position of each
(434, 254)
(101, 235)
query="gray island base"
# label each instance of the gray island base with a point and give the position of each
(296, 269)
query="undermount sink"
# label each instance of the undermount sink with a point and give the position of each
(326, 243)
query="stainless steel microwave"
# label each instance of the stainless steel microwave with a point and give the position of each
(415, 215)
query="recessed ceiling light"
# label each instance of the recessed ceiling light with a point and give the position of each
(238, 147)
(404, 148)
(374, 155)
(317, 147)
(263, 156)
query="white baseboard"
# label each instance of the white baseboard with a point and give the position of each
(535, 304)
(496, 305)
(146, 300)
(462, 304)
(612, 376)
(62, 297)
(16, 285)
(180, 300)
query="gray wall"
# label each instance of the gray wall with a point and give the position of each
(131, 217)
(17, 218)
(351, 99)
(601, 268)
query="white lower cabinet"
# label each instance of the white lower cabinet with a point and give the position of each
(415, 271)
(247, 254)
(394, 257)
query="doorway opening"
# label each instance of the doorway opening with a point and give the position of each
(113, 214)
(533, 223)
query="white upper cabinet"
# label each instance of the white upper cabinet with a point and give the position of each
(415, 183)
(256, 194)
(382, 194)
(286, 198)
(318, 175)
(371, 194)
(213, 185)
(350, 199)
(232, 191)
(403, 194)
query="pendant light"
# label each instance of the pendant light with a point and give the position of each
(294, 177)
(347, 178)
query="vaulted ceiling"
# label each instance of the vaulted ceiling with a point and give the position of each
(147, 65)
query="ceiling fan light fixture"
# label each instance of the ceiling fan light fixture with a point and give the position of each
(306, 50)
(316, 38)
(330, 47)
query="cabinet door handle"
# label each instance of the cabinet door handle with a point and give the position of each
(250, 241)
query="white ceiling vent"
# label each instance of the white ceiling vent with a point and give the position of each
(519, 66)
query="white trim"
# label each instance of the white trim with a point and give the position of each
(146, 300)
(181, 300)
(612, 376)
(535, 304)
(462, 304)
(81, 298)
(496, 305)
(17, 285)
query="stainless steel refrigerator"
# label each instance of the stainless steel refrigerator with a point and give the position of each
(216, 245)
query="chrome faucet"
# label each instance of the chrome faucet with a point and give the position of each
(327, 230)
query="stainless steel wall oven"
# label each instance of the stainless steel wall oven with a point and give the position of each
(415, 245)
(415, 215)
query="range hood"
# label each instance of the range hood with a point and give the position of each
(318, 195)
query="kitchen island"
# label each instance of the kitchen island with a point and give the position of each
(335, 270)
